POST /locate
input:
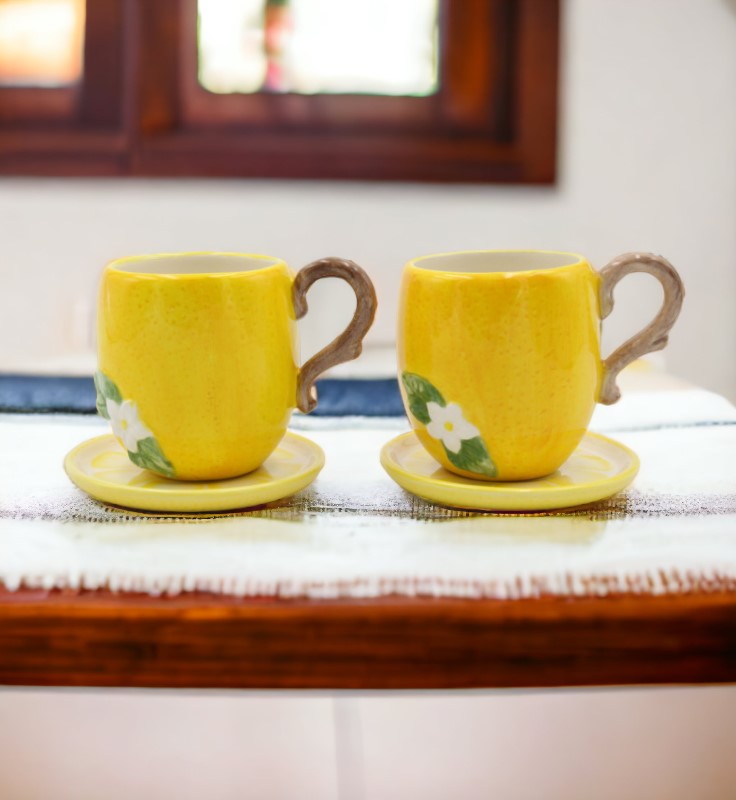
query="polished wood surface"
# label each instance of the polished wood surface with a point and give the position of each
(102, 639)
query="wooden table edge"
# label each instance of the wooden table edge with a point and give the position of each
(196, 640)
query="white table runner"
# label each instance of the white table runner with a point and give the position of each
(354, 533)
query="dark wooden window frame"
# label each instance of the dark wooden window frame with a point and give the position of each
(73, 130)
(141, 111)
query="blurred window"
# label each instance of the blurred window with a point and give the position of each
(319, 46)
(409, 90)
(41, 42)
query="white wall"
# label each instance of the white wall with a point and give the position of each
(668, 743)
(647, 161)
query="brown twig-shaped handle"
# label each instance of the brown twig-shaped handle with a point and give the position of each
(654, 336)
(349, 344)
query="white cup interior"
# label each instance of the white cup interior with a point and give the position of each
(497, 261)
(193, 263)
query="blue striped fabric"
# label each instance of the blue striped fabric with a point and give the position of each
(76, 395)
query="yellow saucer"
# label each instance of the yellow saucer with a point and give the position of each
(101, 468)
(597, 469)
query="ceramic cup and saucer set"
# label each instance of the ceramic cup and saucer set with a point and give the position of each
(499, 369)
(198, 375)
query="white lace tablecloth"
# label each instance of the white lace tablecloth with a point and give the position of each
(354, 533)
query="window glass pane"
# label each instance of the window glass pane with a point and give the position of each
(41, 42)
(384, 47)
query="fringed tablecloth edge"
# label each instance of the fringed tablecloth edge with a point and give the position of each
(520, 587)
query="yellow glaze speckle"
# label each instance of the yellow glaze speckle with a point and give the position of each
(518, 351)
(210, 360)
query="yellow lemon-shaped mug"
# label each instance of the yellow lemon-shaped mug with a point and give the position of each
(198, 356)
(499, 354)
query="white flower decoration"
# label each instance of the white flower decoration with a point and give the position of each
(448, 424)
(126, 424)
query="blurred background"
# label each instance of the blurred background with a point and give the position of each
(646, 160)
(376, 131)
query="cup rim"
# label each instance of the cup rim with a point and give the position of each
(568, 259)
(120, 265)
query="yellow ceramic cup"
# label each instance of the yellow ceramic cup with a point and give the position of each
(198, 355)
(499, 354)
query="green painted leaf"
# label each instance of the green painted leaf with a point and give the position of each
(419, 392)
(150, 456)
(106, 390)
(473, 457)
(101, 399)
